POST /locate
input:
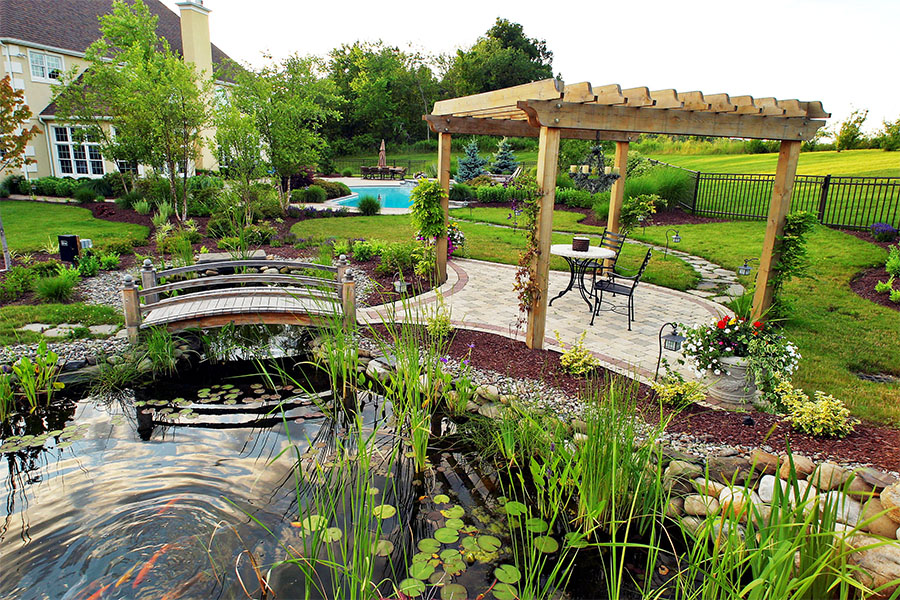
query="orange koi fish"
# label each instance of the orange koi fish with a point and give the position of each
(146, 568)
(184, 587)
(99, 593)
(167, 505)
(124, 578)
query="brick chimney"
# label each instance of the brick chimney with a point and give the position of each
(195, 35)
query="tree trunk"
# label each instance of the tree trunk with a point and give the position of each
(7, 259)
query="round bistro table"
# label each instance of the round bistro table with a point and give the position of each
(579, 261)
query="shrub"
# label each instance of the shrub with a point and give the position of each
(264, 203)
(347, 173)
(437, 322)
(361, 250)
(220, 226)
(892, 264)
(259, 234)
(895, 296)
(141, 207)
(575, 198)
(100, 187)
(884, 288)
(18, 282)
(564, 181)
(153, 188)
(24, 187)
(479, 181)
(84, 194)
(333, 189)
(576, 360)
(118, 245)
(115, 184)
(882, 232)
(314, 194)
(10, 185)
(399, 257)
(66, 187)
(472, 165)
(129, 200)
(673, 185)
(823, 416)
(229, 244)
(44, 186)
(55, 289)
(109, 261)
(369, 206)
(673, 390)
(88, 265)
(460, 192)
(637, 210)
(491, 194)
(47, 268)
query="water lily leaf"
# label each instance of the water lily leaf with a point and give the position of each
(384, 511)
(456, 566)
(488, 543)
(421, 570)
(454, 512)
(504, 591)
(546, 544)
(63, 445)
(450, 554)
(507, 574)
(312, 523)
(514, 508)
(383, 548)
(446, 535)
(536, 525)
(373, 491)
(454, 591)
(429, 545)
(411, 587)
(470, 544)
(437, 577)
(421, 557)
(231, 402)
(332, 534)
(227, 386)
(442, 498)
(455, 524)
(576, 540)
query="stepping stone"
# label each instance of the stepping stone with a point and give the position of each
(59, 331)
(735, 290)
(122, 334)
(707, 285)
(701, 293)
(103, 329)
(36, 327)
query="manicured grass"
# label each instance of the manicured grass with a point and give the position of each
(14, 317)
(563, 220)
(485, 242)
(849, 162)
(29, 224)
(836, 331)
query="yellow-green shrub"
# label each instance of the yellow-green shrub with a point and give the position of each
(576, 360)
(823, 415)
(673, 390)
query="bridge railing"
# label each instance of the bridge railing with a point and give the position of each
(339, 291)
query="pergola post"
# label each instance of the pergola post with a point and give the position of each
(778, 211)
(444, 180)
(548, 156)
(617, 194)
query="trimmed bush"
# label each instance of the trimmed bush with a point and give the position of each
(128, 200)
(65, 187)
(369, 206)
(480, 181)
(333, 189)
(24, 187)
(347, 173)
(314, 194)
(575, 198)
(492, 194)
(18, 281)
(84, 194)
(461, 192)
(46, 268)
(55, 289)
(119, 245)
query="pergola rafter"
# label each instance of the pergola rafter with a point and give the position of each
(551, 110)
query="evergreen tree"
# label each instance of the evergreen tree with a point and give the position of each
(472, 165)
(504, 160)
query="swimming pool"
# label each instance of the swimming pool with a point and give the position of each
(390, 196)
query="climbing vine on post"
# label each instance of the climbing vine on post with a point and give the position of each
(793, 259)
(525, 192)
(428, 218)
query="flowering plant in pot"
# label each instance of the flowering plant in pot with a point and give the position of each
(739, 356)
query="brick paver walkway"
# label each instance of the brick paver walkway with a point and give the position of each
(480, 296)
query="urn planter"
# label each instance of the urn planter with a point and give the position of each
(734, 388)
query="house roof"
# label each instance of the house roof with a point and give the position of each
(73, 25)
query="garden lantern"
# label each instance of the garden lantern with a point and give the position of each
(745, 269)
(671, 342)
(675, 239)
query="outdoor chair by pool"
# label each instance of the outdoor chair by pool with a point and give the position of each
(619, 285)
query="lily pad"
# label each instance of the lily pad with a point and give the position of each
(384, 511)
(515, 509)
(445, 535)
(429, 545)
(455, 524)
(442, 498)
(411, 587)
(470, 544)
(576, 540)
(332, 534)
(456, 566)
(504, 591)
(227, 386)
(421, 570)
(454, 512)
(373, 491)
(437, 577)
(546, 544)
(449, 554)
(313, 523)
(454, 591)
(383, 548)
(63, 445)
(507, 574)
(488, 543)
(536, 525)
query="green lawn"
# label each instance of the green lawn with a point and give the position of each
(849, 162)
(563, 220)
(836, 331)
(13, 317)
(29, 224)
(484, 242)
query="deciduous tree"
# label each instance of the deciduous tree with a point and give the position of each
(849, 133)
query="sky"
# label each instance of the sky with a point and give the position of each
(844, 53)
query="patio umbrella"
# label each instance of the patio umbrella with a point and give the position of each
(382, 157)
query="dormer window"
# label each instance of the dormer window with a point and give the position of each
(46, 68)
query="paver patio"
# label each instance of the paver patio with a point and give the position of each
(480, 296)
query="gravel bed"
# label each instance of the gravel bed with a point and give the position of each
(69, 351)
(105, 288)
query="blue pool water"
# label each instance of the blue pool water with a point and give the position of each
(391, 196)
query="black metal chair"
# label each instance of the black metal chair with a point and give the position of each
(610, 241)
(619, 285)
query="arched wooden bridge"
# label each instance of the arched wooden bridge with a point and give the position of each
(275, 292)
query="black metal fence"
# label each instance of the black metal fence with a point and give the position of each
(844, 202)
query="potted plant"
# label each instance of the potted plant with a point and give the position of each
(738, 357)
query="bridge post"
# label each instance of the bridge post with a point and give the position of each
(342, 265)
(348, 301)
(149, 280)
(131, 303)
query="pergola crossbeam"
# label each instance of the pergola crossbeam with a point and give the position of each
(510, 128)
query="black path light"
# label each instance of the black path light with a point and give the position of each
(745, 269)
(675, 239)
(671, 342)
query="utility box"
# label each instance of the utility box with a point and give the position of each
(69, 248)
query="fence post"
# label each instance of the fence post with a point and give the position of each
(348, 301)
(696, 191)
(342, 267)
(149, 280)
(823, 197)
(132, 308)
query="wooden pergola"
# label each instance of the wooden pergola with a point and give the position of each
(551, 110)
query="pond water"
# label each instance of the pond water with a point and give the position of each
(166, 491)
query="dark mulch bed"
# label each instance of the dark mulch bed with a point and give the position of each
(866, 236)
(864, 286)
(384, 284)
(869, 443)
(111, 212)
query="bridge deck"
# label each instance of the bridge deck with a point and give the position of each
(190, 310)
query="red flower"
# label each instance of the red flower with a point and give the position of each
(722, 324)
(757, 324)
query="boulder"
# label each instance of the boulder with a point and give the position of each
(766, 487)
(736, 501)
(890, 499)
(729, 469)
(675, 507)
(829, 476)
(803, 467)
(708, 488)
(508, 398)
(678, 474)
(764, 463)
(880, 524)
(846, 509)
(692, 524)
(877, 566)
(701, 505)
(857, 486)
(875, 478)
(489, 410)
(489, 392)
(377, 371)
(471, 407)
